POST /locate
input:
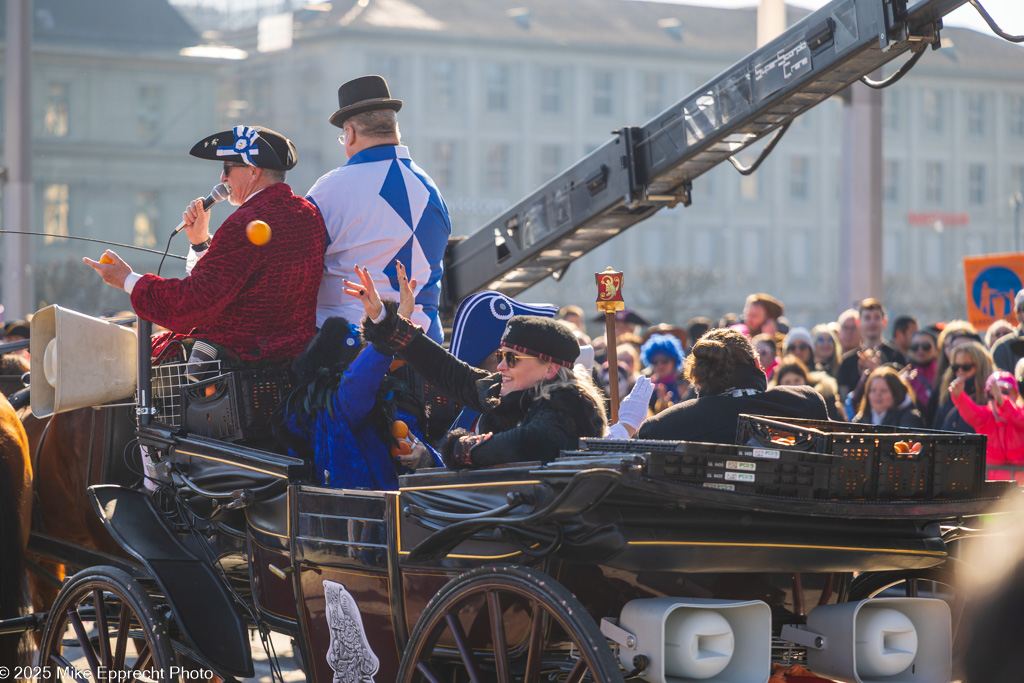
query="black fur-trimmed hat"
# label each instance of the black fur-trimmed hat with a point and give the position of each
(541, 337)
(250, 145)
(365, 93)
(335, 346)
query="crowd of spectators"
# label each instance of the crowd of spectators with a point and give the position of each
(944, 375)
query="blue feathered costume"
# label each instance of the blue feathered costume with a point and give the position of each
(341, 411)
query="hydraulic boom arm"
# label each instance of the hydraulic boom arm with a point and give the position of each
(642, 169)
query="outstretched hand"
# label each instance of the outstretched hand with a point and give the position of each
(956, 387)
(113, 269)
(366, 292)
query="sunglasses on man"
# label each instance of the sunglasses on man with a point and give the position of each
(926, 346)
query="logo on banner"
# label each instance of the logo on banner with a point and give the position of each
(994, 290)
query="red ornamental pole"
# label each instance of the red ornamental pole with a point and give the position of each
(609, 301)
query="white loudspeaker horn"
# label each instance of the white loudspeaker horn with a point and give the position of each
(692, 639)
(79, 361)
(883, 640)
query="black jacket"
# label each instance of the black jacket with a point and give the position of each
(525, 427)
(906, 416)
(713, 418)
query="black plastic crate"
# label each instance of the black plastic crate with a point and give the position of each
(949, 464)
(755, 470)
(235, 406)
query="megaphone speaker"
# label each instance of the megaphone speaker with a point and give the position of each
(691, 639)
(883, 640)
(79, 361)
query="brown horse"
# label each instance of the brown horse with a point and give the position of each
(67, 450)
(15, 517)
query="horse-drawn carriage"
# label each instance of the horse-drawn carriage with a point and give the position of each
(663, 561)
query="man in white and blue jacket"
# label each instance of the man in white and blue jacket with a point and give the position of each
(379, 208)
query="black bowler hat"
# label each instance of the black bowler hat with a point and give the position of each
(249, 145)
(365, 93)
(541, 337)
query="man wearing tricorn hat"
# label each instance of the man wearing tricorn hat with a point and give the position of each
(379, 208)
(249, 301)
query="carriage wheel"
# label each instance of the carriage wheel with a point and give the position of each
(103, 615)
(939, 582)
(507, 624)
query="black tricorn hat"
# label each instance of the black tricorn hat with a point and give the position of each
(365, 93)
(249, 145)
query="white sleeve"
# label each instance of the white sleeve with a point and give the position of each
(129, 282)
(193, 258)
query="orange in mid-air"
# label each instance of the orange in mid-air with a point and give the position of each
(106, 259)
(258, 232)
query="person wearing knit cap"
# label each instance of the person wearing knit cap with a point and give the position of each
(1001, 420)
(798, 343)
(536, 404)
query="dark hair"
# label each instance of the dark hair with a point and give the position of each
(790, 365)
(898, 387)
(871, 304)
(713, 359)
(903, 322)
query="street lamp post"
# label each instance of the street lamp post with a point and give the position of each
(1016, 201)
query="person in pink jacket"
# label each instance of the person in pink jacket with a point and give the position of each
(1001, 419)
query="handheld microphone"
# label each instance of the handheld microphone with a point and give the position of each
(218, 194)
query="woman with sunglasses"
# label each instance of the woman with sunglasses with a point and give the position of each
(922, 370)
(536, 404)
(826, 350)
(972, 364)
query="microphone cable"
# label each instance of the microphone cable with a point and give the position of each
(88, 239)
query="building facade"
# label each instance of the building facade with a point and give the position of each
(115, 109)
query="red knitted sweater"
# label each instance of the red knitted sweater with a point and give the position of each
(259, 301)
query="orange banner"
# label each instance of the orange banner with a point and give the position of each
(992, 282)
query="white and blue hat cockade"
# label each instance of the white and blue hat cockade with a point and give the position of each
(481, 320)
(250, 145)
(245, 145)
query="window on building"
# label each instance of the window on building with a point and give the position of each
(55, 118)
(551, 90)
(891, 110)
(1016, 116)
(933, 104)
(799, 178)
(977, 114)
(891, 182)
(442, 84)
(389, 67)
(442, 168)
(496, 167)
(149, 113)
(603, 103)
(497, 85)
(934, 179)
(551, 160)
(800, 257)
(55, 212)
(146, 216)
(654, 93)
(976, 184)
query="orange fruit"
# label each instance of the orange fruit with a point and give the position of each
(258, 232)
(915, 448)
(106, 259)
(901, 447)
(210, 390)
(399, 429)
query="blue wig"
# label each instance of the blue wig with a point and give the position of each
(662, 345)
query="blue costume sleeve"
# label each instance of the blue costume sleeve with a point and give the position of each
(358, 389)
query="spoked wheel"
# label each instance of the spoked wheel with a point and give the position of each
(507, 624)
(103, 615)
(935, 582)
